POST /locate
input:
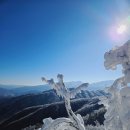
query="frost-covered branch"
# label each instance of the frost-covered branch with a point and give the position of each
(118, 103)
(74, 122)
(119, 55)
(62, 90)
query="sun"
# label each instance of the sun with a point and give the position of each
(121, 29)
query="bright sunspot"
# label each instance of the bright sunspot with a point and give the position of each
(121, 29)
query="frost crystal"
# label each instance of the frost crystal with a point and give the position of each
(119, 55)
(74, 122)
(118, 103)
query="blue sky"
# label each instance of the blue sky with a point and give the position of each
(46, 37)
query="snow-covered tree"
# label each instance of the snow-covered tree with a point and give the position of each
(74, 122)
(118, 103)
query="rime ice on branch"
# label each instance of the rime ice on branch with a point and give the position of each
(74, 122)
(118, 104)
(119, 55)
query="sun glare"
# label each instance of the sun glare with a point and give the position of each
(121, 29)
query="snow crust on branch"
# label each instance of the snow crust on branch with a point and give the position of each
(119, 55)
(74, 122)
(62, 90)
(117, 104)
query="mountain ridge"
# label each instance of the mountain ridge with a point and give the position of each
(6, 92)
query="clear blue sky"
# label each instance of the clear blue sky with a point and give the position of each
(46, 37)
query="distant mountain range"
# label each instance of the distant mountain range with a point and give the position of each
(16, 90)
(22, 111)
(100, 85)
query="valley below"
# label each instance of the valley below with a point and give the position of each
(29, 109)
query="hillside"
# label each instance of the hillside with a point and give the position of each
(35, 107)
(34, 115)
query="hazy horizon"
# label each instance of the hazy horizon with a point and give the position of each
(30, 85)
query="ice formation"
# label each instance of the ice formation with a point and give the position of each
(74, 122)
(119, 55)
(117, 104)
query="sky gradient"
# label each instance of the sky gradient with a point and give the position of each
(46, 37)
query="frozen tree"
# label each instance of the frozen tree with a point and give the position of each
(74, 122)
(118, 103)
(119, 55)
